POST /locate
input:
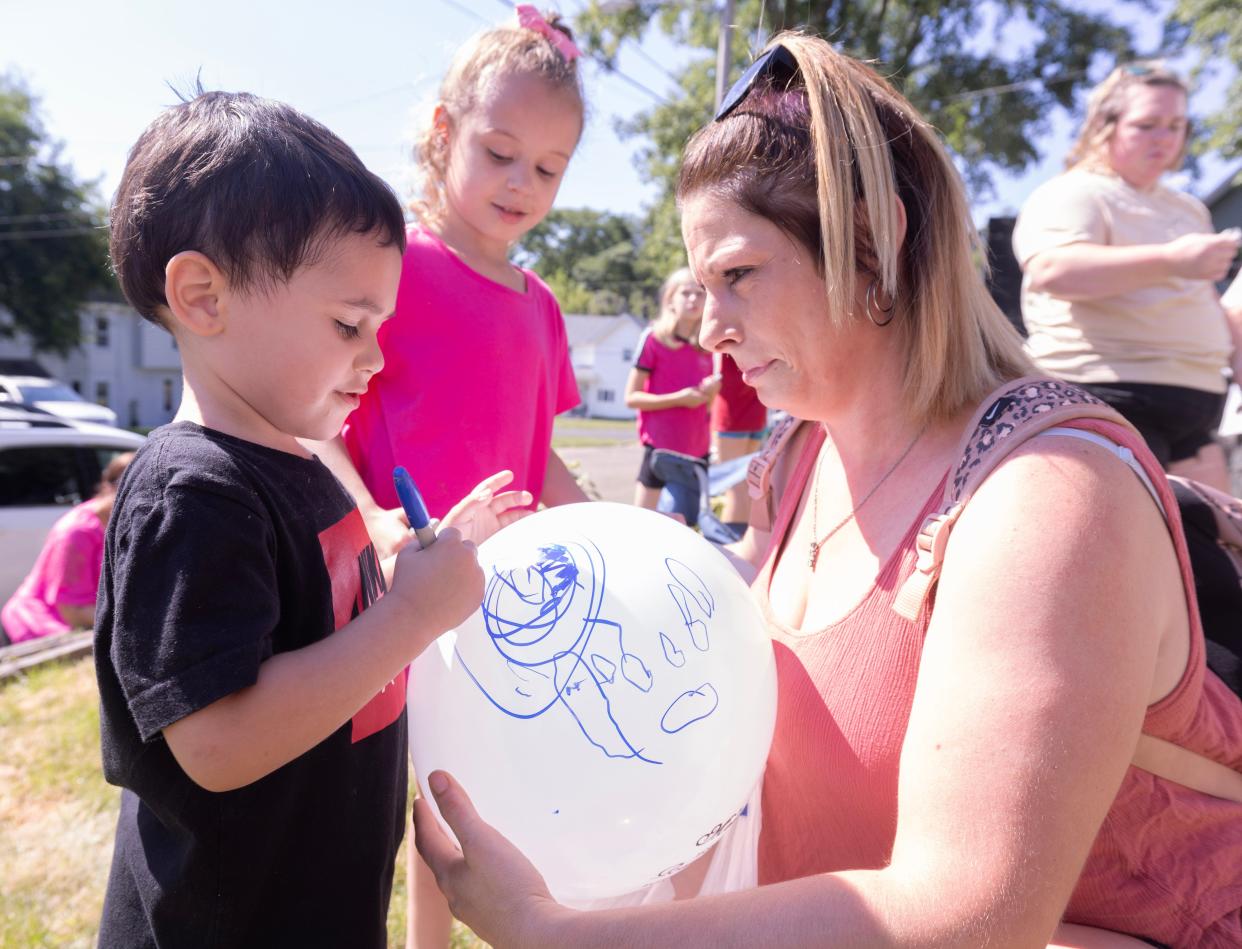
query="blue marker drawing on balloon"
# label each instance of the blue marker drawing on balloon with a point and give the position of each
(549, 647)
(672, 655)
(690, 707)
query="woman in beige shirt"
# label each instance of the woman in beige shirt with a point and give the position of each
(1119, 269)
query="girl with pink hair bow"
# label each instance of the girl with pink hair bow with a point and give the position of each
(476, 355)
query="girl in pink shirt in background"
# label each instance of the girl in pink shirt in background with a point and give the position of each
(59, 593)
(672, 387)
(476, 359)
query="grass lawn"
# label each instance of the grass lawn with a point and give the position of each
(57, 815)
(571, 432)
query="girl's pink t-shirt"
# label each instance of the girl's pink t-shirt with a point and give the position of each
(66, 572)
(474, 374)
(681, 429)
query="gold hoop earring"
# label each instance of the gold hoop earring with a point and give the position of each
(873, 305)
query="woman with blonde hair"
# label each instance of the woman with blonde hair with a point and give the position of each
(1117, 292)
(947, 770)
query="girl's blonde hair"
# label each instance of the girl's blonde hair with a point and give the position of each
(665, 321)
(671, 283)
(823, 157)
(1106, 104)
(482, 65)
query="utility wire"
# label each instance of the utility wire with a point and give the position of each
(45, 235)
(44, 216)
(1012, 86)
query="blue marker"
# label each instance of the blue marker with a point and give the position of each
(415, 510)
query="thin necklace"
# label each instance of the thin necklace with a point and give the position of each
(819, 463)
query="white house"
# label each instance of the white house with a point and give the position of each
(602, 349)
(124, 362)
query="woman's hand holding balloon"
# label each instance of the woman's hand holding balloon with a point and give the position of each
(490, 885)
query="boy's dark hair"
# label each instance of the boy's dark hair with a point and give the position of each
(251, 183)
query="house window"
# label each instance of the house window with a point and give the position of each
(627, 355)
(101, 393)
(168, 395)
(101, 332)
(605, 395)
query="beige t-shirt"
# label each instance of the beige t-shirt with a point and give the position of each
(1172, 332)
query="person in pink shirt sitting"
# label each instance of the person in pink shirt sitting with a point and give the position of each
(59, 593)
(672, 387)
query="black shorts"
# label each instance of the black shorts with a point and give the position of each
(1176, 422)
(648, 478)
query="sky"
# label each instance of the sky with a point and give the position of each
(368, 70)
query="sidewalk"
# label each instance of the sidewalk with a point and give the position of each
(613, 469)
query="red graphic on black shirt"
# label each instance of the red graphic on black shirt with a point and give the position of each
(357, 582)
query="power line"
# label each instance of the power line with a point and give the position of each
(47, 234)
(43, 216)
(1011, 86)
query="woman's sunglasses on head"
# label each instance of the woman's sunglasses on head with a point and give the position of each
(777, 62)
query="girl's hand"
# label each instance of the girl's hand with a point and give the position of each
(710, 385)
(490, 886)
(691, 397)
(483, 512)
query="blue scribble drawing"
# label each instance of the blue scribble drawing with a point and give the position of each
(690, 707)
(548, 647)
(672, 655)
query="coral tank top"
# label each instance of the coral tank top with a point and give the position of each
(1167, 862)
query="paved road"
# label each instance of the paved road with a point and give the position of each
(611, 468)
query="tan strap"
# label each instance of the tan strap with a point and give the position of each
(1012, 415)
(759, 472)
(1187, 768)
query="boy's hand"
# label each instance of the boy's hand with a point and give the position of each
(483, 512)
(389, 530)
(440, 585)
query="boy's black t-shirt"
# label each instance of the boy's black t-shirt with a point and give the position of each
(221, 553)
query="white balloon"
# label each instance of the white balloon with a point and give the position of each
(610, 705)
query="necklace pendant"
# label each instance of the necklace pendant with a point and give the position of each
(814, 554)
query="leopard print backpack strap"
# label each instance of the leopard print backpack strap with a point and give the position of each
(1008, 418)
(759, 473)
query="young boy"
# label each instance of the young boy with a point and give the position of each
(250, 663)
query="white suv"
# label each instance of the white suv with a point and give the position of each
(47, 465)
(52, 395)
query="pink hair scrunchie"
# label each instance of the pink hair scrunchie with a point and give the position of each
(531, 19)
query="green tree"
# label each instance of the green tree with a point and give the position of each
(53, 240)
(591, 260)
(1213, 29)
(990, 76)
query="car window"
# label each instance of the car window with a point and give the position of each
(42, 474)
(104, 456)
(48, 392)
